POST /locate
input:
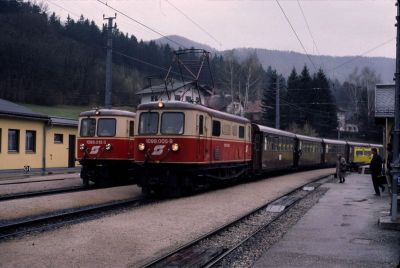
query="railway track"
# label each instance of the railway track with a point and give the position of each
(209, 251)
(25, 182)
(61, 218)
(43, 192)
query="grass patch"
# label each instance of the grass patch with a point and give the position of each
(58, 110)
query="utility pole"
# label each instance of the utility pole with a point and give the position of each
(109, 61)
(277, 109)
(396, 138)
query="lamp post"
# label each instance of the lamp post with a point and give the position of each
(396, 138)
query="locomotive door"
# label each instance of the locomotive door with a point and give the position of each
(201, 135)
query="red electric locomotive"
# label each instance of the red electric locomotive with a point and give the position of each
(106, 146)
(182, 145)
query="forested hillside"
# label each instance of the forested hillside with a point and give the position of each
(46, 61)
(49, 62)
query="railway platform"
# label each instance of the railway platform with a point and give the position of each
(341, 230)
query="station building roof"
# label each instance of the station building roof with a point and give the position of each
(384, 100)
(13, 110)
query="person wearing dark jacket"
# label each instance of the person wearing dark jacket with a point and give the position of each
(376, 170)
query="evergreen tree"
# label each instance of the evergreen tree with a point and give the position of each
(325, 117)
(268, 102)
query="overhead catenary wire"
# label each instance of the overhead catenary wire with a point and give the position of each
(297, 36)
(362, 54)
(309, 30)
(195, 23)
(142, 24)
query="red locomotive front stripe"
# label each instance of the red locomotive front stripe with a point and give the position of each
(192, 149)
(95, 148)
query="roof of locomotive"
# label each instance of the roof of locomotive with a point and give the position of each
(308, 138)
(354, 143)
(176, 105)
(376, 145)
(329, 141)
(107, 112)
(273, 131)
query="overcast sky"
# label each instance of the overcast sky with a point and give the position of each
(339, 28)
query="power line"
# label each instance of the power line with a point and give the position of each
(295, 33)
(140, 23)
(362, 54)
(309, 29)
(57, 5)
(195, 23)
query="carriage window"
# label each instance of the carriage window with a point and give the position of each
(201, 124)
(131, 128)
(216, 128)
(88, 127)
(106, 127)
(172, 123)
(148, 123)
(241, 132)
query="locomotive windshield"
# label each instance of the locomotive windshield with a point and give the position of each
(172, 123)
(88, 127)
(148, 123)
(106, 127)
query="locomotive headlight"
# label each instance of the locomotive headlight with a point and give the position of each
(175, 147)
(160, 104)
(141, 146)
(108, 146)
(82, 147)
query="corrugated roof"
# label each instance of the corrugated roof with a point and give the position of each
(384, 100)
(60, 121)
(11, 109)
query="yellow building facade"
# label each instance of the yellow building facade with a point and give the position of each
(31, 141)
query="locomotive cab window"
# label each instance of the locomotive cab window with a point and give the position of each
(88, 127)
(106, 127)
(216, 128)
(148, 123)
(172, 123)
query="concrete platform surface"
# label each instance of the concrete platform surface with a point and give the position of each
(341, 230)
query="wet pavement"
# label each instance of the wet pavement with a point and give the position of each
(341, 230)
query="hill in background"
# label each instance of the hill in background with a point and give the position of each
(284, 61)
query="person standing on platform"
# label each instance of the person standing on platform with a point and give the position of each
(376, 170)
(341, 168)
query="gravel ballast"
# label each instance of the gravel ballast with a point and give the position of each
(137, 236)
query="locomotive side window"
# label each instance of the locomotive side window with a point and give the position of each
(241, 132)
(148, 123)
(201, 124)
(216, 128)
(172, 123)
(88, 127)
(106, 127)
(131, 128)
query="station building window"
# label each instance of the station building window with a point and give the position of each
(177, 97)
(13, 140)
(58, 138)
(30, 141)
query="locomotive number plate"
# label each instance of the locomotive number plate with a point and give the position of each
(158, 141)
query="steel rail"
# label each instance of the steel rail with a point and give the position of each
(11, 229)
(43, 193)
(196, 241)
